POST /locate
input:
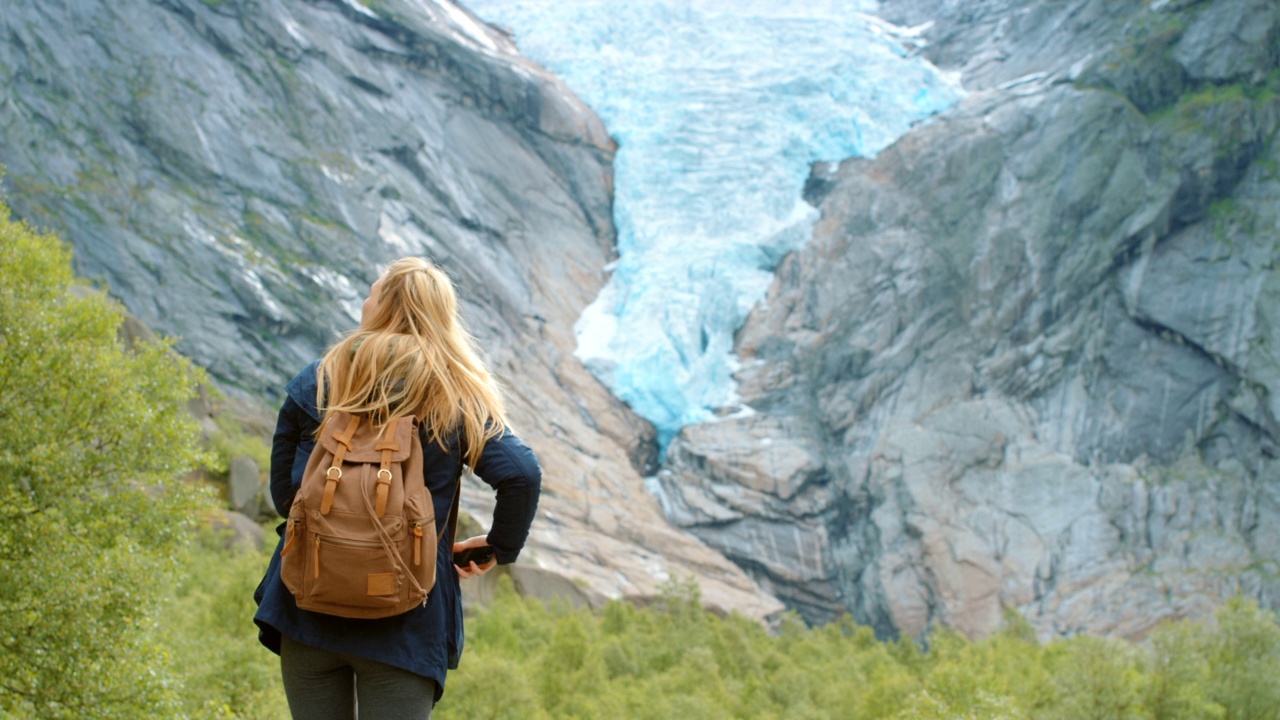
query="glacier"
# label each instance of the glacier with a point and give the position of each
(719, 108)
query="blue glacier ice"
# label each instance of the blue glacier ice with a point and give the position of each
(719, 108)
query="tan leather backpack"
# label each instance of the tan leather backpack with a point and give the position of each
(361, 536)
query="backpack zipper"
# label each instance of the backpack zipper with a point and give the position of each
(291, 533)
(343, 542)
(417, 542)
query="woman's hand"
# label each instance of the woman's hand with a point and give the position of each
(474, 570)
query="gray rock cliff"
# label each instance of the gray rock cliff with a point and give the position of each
(1028, 358)
(236, 171)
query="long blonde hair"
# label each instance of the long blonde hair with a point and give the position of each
(413, 356)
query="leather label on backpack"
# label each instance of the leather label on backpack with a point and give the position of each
(382, 584)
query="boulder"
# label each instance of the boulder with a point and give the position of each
(244, 486)
(233, 529)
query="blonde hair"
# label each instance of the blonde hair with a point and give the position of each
(413, 356)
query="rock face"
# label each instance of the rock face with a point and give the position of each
(1028, 358)
(236, 171)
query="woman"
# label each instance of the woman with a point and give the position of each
(410, 355)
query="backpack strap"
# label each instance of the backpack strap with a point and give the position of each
(387, 445)
(334, 473)
(451, 521)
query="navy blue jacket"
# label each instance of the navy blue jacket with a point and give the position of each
(426, 640)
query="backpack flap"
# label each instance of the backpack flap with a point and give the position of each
(365, 449)
(385, 450)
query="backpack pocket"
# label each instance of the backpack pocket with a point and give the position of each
(421, 555)
(345, 568)
(351, 573)
(293, 561)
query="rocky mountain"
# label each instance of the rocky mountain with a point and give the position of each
(1028, 358)
(1026, 361)
(236, 171)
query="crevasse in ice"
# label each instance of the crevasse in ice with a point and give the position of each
(719, 108)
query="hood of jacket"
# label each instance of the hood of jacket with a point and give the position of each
(302, 388)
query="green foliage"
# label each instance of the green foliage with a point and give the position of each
(673, 659)
(92, 506)
(1244, 662)
(1187, 114)
(1007, 675)
(1178, 682)
(1210, 109)
(529, 660)
(982, 706)
(207, 629)
(231, 440)
(1099, 679)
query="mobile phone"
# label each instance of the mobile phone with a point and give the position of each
(480, 555)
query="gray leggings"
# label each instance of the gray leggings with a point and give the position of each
(323, 685)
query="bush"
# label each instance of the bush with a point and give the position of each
(1178, 674)
(673, 659)
(1099, 679)
(92, 508)
(210, 635)
(531, 660)
(1244, 662)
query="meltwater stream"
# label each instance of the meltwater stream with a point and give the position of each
(719, 108)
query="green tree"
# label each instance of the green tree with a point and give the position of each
(1179, 674)
(1001, 676)
(1099, 679)
(1244, 662)
(94, 441)
(226, 672)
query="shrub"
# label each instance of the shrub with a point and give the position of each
(92, 508)
(1244, 662)
(209, 632)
